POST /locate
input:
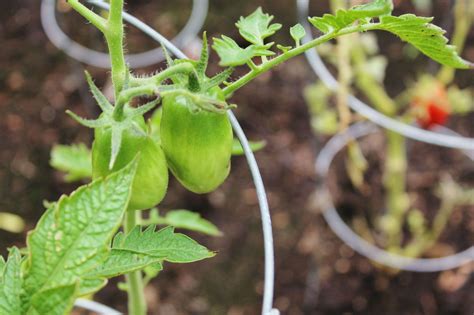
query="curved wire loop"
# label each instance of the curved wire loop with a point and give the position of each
(357, 243)
(101, 59)
(95, 307)
(267, 305)
(412, 132)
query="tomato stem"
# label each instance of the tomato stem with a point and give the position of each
(271, 63)
(181, 68)
(114, 36)
(136, 298)
(99, 22)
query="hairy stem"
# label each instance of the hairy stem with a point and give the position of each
(136, 298)
(397, 199)
(394, 182)
(114, 35)
(96, 20)
(345, 72)
(295, 52)
(373, 89)
(181, 68)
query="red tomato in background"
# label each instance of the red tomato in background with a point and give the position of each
(431, 104)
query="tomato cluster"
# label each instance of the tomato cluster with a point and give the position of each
(194, 143)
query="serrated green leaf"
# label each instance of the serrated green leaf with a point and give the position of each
(75, 160)
(2, 266)
(54, 301)
(426, 37)
(232, 55)
(120, 262)
(343, 18)
(11, 284)
(254, 146)
(297, 32)
(90, 286)
(71, 238)
(190, 220)
(256, 27)
(163, 244)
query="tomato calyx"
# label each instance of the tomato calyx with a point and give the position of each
(197, 86)
(126, 120)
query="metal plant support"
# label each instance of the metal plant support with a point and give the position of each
(357, 243)
(443, 137)
(100, 59)
(97, 59)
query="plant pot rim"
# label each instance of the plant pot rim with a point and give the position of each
(352, 239)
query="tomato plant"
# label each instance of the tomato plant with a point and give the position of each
(76, 247)
(428, 101)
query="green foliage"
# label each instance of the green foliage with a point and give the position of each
(256, 27)
(426, 37)
(75, 160)
(255, 146)
(232, 55)
(125, 120)
(2, 265)
(10, 284)
(344, 18)
(163, 244)
(55, 300)
(122, 261)
(71, 239)
(183, 219)
(297, 32)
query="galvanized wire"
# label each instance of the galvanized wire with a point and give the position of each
(357, 243)
(318, 66)
(95, 307)
(443, 136)
(100, 59)
(267, 305)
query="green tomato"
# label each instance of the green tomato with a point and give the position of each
(197, 144)
(151, 180)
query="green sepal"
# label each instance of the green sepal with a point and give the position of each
(201, 66)
(218, 79)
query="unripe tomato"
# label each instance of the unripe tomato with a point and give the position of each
(431, 103)
(151, 180)
(197, 143)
